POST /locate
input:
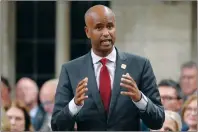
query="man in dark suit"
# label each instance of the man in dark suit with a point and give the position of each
(106, 89)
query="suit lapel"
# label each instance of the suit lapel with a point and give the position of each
(92, 84)
(121, 59)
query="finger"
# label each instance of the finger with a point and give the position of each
(82, 98)
(84, 85)
(82, 81)
(127, 93)
(82, 92)
(129, 87)
(131, 78)
(127, 81)
(128, 77)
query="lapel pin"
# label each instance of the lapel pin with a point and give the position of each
(123, 66)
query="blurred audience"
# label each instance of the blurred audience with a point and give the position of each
(19, 117)
(188, 78)
(5, 92)
(171, 95)
(5, 123)
(172, 122)
(47, 96)
(189, 113)
(27, 92)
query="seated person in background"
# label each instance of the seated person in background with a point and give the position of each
(172, 122)
(47, 93)
(47, 96)
(27, 92)
(5, 93)
(188, 78)
(19, 117)
(171, 95)
(189, 112)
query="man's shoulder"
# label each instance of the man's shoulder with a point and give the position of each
(75, 62)
(134, 57)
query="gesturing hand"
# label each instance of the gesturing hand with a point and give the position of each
(80, 92)
(133, 91)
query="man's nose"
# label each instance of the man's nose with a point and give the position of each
(12, 121)
(163, 101)
(105, 32)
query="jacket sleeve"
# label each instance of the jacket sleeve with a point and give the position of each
(62, 120)
(154, 115)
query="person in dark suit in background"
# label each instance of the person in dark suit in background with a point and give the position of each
(106, 89)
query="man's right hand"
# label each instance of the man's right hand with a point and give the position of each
(80, 92)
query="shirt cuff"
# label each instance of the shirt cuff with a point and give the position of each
(73, 108)
(142, 103)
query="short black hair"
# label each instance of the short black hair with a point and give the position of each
(173, 84)
(6, 82)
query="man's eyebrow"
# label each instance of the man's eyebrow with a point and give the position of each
(99, 24)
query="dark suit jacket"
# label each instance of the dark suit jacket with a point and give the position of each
(123, 113)
(39, 119)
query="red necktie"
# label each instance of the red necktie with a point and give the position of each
(105, 84)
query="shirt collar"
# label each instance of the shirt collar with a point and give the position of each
(33, 112)
(111, 57)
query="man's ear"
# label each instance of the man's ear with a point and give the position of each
(87, 31)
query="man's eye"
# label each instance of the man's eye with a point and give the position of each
(169, 130)
(109, 27)
(98, 28)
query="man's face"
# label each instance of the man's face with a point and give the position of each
(47, 100)
(26, 92)
(188, 80)
(169, 98)
(101, 30)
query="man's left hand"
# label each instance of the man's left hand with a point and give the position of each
(133, 91)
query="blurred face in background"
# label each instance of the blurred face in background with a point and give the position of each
(47, 95)
(169, 98)
(47, 101)
(188, 80)
(169, 125)
(17, 119)
(190, 114)
(26, 91)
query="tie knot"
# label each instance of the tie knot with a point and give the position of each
(103, 61)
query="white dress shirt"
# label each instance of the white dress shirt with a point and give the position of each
(33, 112)
(111, 65)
